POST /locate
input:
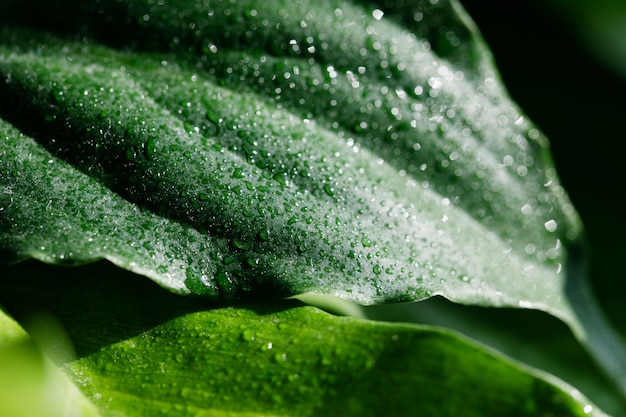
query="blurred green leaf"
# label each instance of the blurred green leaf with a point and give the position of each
(29, 384)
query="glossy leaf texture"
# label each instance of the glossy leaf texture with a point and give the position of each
(324, 147)
(271, 359)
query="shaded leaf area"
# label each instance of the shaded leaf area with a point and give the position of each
(29, 384)
(528, 336)
(369, 166)
(196, 359)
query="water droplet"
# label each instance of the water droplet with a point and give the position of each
(550, 225)
(264, 235)
(223, 280)
(131, 153)
(241, 245)
(329, 190)
(252, 262)
(247, 335)
(376, 269)
(366, 242)
(227, 260)
(378, 14)
(238, 173)
(281, 178)
(151, 147)
(57, 96)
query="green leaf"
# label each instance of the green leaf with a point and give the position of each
(280, 359)
(29, 384)
(547, 343)
(388, 171)
(242, 150)
(362, 368)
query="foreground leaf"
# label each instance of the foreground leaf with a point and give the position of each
(186, 366)
(275, 360)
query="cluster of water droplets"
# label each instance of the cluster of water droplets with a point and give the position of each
(333, 151)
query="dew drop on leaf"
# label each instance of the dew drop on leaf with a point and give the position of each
(281, 178)
(247, 335)
(238, 173)
(131, 153)
(151, 147)
(241, 244)
(550, 225)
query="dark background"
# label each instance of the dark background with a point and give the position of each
(578, 102)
